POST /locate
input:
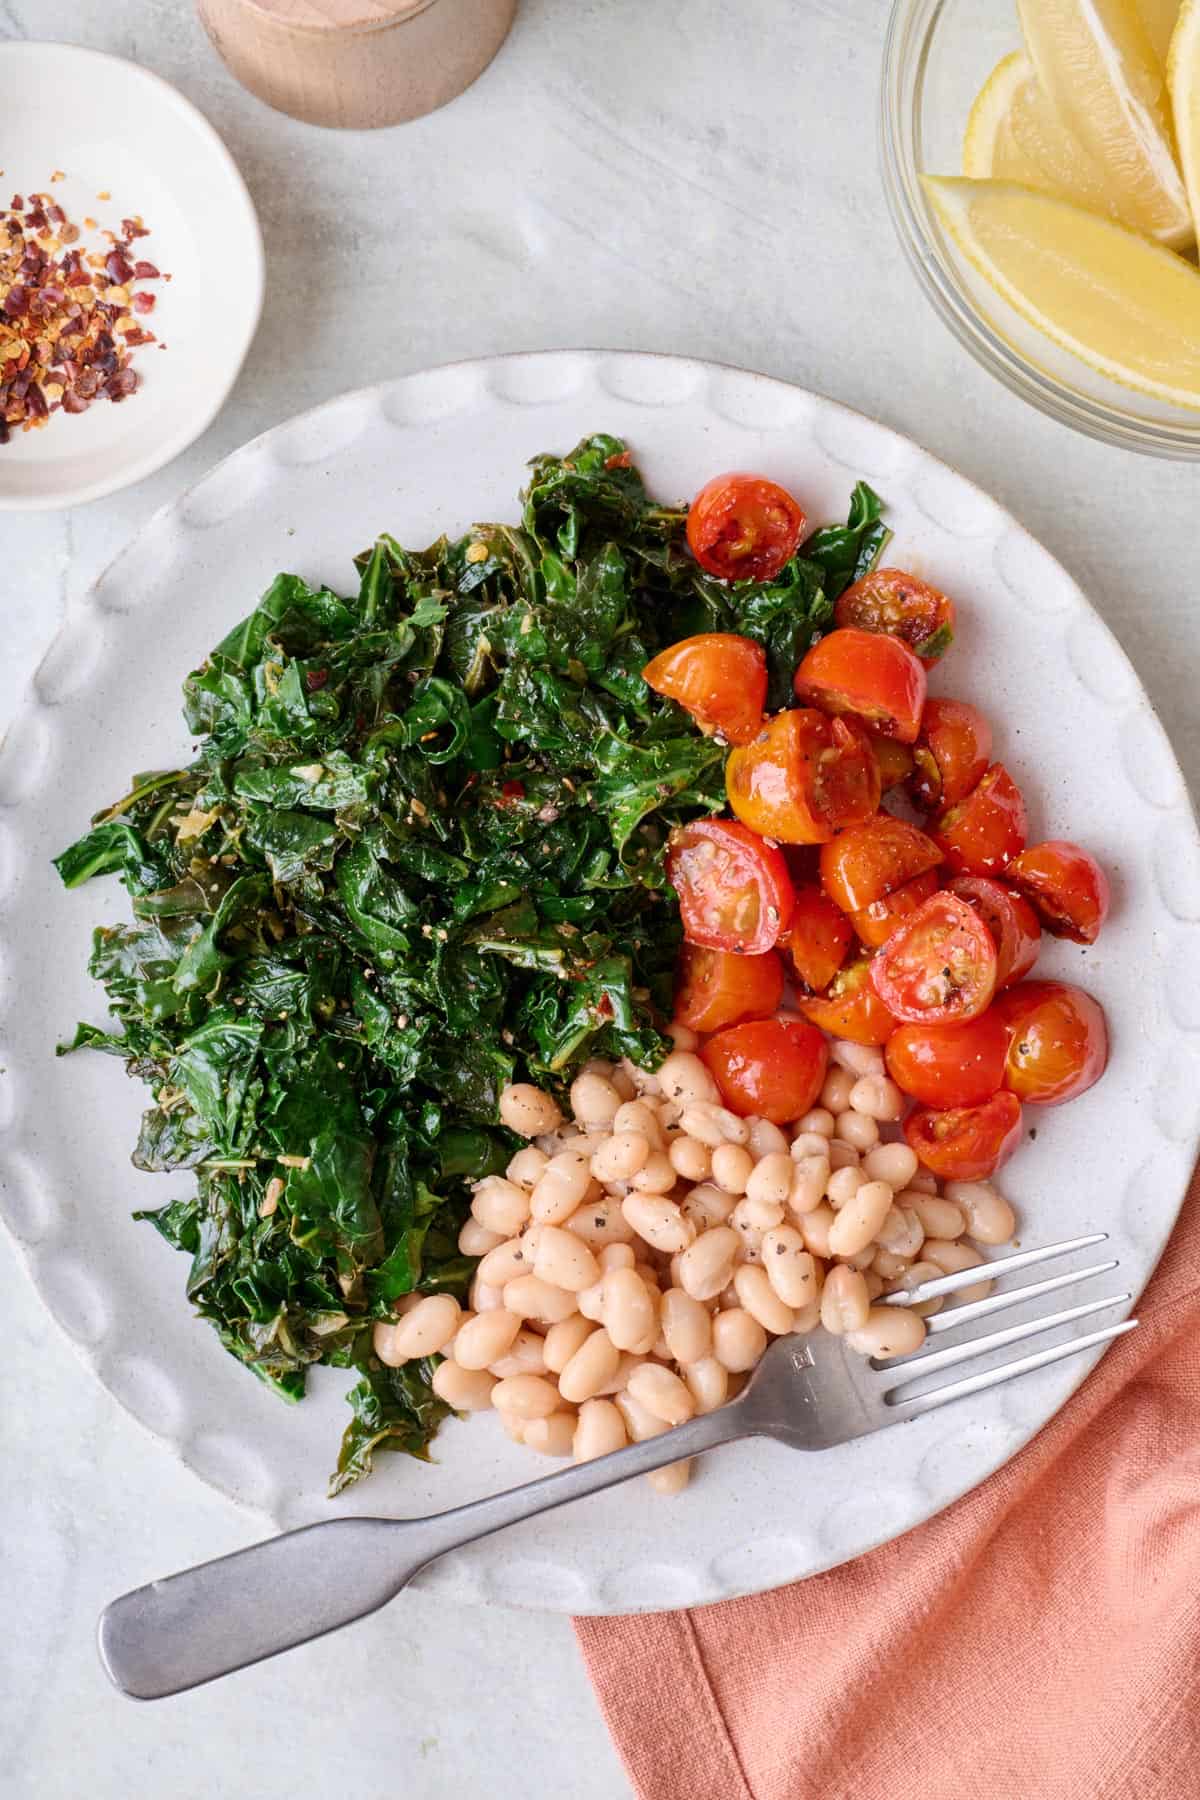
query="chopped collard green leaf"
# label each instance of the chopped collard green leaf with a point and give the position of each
(420, 853)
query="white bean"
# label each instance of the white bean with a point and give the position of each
(887, 1265)
(500, 1205)
(815, 1228)
(708, 1383)
(594, 1099)
(682, 1036)
(485, 1298)
(673, 1479)
(758, 1214)
(532, 1298)
(707, 1205)
(425, 1330)
(875, 1288)
(591, 1368)
(845, 1303)
(771, 1179)
(810, 1143)
(842, 1185)
(950, 1259)
(894, 1163)
(842, 1155)
(855, 1226)
(504, 1263)
(889, 1331)
(684, 1077)
(732, 1167)
(563, 1186)
(641, 1118)
(623, 1081)
(618, 1256)
(659, 1221)
(714, 1125)
(526, 1396)
(738, 1340)
(915, 1277)
(599, 1223)
(939, 1218)
(860, 1059)
(525, 1357)
(661, 1393)
(764, 1138)
(750, 1234)
(563, 1340)
(924, 1181)
(466, 1390)
(790, 1268)
(706, 1265)
(553, 1435)
(526, 1166)
(835, 1093)
(476, 1240)
(990, 1219)
(599, 1431)
(640, 1422)
(630, 1313)
(690, 1158)
(901, 1232)
(757, 1294)
(809, 1177)
(877, 1097)
(564, 1260)
(686, 1326)
(857, 1129)
(621, 1156)
(620, 1381)
(818, 1122)
(485, 1338)
(656, 1176)
(527, 1111)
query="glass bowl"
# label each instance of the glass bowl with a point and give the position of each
(937, 56)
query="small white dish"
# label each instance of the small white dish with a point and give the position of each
(429, 453)
(114, 128)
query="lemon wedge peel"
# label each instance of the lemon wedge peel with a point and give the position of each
(1183, 85)
(1096, 64)
(1128, 308)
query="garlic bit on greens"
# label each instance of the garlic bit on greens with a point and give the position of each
(419, 855)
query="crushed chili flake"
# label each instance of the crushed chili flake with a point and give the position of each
(66, 334)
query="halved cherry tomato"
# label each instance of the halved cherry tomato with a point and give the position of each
(860, 672)
(968, 1143)
(876, 923)
(718, 987)
(1010, 919)
(821, 936)
(874, 859)
(949, 1065)
(939, 966)
(734, 891)
(850, 1008)
(894, 758)
(744, 527)
(983, 833)
(719, 677)
(771, 1067)
(892, 601)
(1066, 887)
(803, 778)
(1058, 1043)
(951, 754)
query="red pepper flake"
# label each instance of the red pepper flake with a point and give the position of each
(315, 679)
(66, 328)
(621, 460)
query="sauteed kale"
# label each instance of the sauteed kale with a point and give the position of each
(418, 855)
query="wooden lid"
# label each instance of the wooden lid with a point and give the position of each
(339, 15)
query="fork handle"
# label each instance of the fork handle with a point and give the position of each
(222, 1615)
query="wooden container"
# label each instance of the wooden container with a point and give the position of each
(357, 63)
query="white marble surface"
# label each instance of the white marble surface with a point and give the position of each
(698, 179)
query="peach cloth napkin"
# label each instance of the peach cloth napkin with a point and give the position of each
(1039, 1640)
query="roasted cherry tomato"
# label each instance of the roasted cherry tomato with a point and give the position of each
(939, 966)
(1058, 1043)
(983, 833)
(951, 754)
(949, 1065)
(874, 859)
(860, 672)
(720, 678)
(891, 601)
(744, 527)
(875, 924)
(771, 1067)
(718, 987)
(1010, 919)
(850, 1008)
(803, 778)
(1066, 887)
(968, 1143)
(894, 758)
(820, 939)
(734, 891)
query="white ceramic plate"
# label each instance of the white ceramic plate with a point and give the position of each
(114, 128)
(434, 452)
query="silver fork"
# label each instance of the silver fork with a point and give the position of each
(809, 1392)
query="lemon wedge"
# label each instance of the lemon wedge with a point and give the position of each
(1097, 66)
(1125, 306)
(1159, 16)
(1183, 80)
(1014, 134)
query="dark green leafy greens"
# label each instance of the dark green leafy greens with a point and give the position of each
(420, 853)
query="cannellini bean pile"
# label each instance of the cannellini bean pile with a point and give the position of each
(637, 1260)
